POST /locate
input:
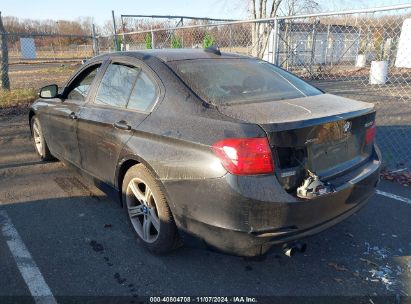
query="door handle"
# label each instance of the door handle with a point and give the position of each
(73, 115)
(122, 125)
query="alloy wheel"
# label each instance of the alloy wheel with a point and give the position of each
(142, 210)
(37, 137)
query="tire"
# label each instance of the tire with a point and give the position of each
(148, 211)
(40, 144)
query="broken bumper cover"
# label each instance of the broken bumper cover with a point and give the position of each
(246, 215)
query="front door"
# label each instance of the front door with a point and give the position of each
(63, 114)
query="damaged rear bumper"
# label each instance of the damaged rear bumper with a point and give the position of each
(246, 215)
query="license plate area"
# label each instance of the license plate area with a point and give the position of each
(325, 156)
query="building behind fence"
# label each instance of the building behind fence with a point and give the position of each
(360, 54)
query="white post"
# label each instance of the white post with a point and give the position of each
(275, 42)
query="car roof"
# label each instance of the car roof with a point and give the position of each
(168, 55)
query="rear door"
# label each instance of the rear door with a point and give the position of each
(63, 114)
(122, 100)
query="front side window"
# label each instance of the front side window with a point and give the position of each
(233, 81)
(116, 85)
(81, 85)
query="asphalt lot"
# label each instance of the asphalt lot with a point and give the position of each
(82, 244)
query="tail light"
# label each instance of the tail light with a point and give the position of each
(245, 156)
(370, 134)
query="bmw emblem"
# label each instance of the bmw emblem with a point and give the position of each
(347, 127)
(145, 209)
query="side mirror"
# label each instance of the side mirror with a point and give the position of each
(50, 91)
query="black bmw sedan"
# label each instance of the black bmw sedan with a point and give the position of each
(228, 148)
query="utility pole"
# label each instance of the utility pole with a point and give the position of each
(123, 30)
(4, 65)
(95, 40)
(115, 31)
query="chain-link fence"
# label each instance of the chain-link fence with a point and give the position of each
(30, 61)
(361, 54)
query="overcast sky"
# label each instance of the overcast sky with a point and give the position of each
(101, 10)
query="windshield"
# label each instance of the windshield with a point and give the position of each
(232, 81)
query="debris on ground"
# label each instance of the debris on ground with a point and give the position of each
(381, 270)
(402, 176)
(384, 274)
(337, 267)
(119, 279)
(97, 247)
(369, 263)
(380, 253)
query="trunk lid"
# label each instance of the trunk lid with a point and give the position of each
(323, 134)
(295, 110)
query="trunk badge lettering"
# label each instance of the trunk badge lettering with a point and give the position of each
(311, 140)
(287, 174)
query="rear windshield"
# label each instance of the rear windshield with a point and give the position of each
(232, 81)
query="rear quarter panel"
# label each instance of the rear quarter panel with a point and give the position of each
(175, 139)
(177, 144)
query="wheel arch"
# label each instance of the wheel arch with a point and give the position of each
(32, 113)
(124, 164)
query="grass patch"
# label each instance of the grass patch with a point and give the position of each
(41, 76)
(26, 82)
(17, 97)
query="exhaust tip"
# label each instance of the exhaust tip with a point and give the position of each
(290, 249)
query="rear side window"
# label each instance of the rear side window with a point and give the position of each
(144, 93)
(116, 85)
(233, 81)
(125, 86)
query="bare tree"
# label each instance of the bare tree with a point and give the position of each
(270, 8)
(261, 31)
(293, 8)
(297, 7)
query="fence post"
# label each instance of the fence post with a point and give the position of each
(182, 33)
(153, 45)
(326, 44)
(275, 41)
(116, 46)
(123, 46)
(4, 66)
(314, 41)
(95, 40)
